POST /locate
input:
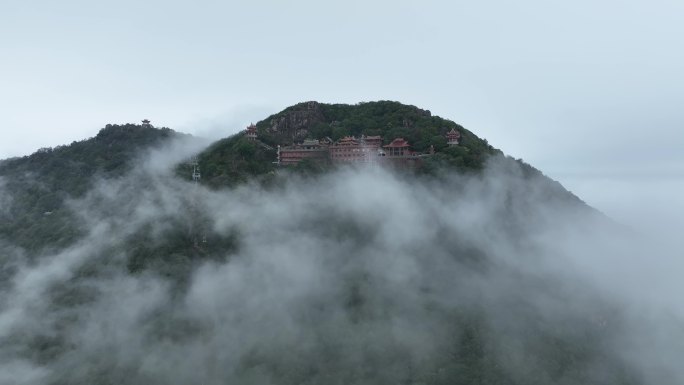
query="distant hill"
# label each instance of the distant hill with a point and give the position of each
(39, 183)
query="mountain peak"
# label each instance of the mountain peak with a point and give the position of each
(312, 121)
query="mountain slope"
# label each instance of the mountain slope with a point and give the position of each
(40, 183)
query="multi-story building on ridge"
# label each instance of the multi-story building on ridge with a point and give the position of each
(309, 149)
(352, 150)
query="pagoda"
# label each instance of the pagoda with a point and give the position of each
(453, 137)
(251, 132)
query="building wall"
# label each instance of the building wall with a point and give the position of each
(355, 153)
(349, 151)
(290, 156)
(397, 151)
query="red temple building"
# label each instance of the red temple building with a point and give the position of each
(351, 150)
(398, 148)
(453, 137)
(399, 154)
(309, 149)
(251, 132)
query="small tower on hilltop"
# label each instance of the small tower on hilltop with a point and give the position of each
(146, 123)
(251, 132)
(453, 137)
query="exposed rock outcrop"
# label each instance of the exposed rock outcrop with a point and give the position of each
(295, 124)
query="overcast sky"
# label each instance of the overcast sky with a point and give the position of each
(590, 92)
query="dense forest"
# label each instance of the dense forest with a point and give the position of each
(40, 183)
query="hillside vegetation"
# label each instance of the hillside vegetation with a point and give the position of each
(40, 183)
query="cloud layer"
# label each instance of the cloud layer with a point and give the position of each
(359, 276)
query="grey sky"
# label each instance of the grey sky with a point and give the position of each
(587, 91)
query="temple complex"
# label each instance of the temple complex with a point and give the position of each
(350, 150)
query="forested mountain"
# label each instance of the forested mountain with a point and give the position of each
(118, 269)
(40, 183)
(234, 160)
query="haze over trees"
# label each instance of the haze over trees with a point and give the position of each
(118, 269)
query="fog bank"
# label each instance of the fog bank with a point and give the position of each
(357, 276)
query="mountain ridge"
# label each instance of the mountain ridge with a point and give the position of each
(67, 170)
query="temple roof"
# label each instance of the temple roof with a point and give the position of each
(397, 143)
(453, 132)
(347, 141)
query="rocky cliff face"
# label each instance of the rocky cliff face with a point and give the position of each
(295, 124)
